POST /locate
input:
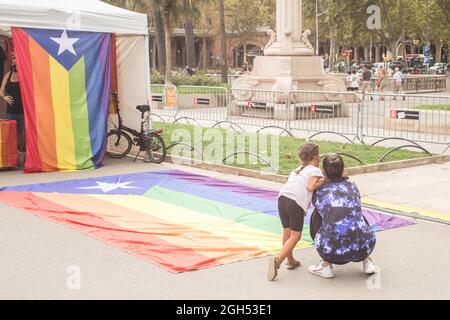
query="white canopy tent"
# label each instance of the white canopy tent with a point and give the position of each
(130, 28)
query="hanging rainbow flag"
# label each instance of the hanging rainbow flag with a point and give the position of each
(65, 84)
(177, 220)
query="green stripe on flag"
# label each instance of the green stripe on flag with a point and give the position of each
(80, 116)
(257, 220)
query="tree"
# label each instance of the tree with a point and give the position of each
(188, 9)
(159, 37)
(245, 18)
(206, 13)
(168, 7)
(151, 8)
(223, 42)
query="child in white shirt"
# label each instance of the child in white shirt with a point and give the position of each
(293, 203)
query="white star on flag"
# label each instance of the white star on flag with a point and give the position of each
(65, 43)
(107, 187)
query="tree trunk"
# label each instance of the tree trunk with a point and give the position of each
(159, 36)
(245, 53)
(378, 53)
(168, 42)
(223, 43)
(366, 53)
(189, 29)
(154, 50)
(204, 53)
(439, 52)
(356, 54)
(332, 56)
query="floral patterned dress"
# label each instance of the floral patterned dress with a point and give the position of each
(344, 235)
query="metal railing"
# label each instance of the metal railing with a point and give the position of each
(350, 115)
(203, 103)
(318, 112)
(162, 104)
(419, 118)
(192, 103)
(261, 108)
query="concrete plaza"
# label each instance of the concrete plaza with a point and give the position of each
(36, 253)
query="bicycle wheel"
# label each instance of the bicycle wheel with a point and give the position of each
(118, 145)
(156, 148)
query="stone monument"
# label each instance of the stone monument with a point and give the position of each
(289, 62)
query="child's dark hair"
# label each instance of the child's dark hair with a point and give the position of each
(333, 165)
(308, 152)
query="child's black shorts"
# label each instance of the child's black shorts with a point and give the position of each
(291, 214)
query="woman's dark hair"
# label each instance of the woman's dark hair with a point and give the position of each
(333, 165)
(308, 152)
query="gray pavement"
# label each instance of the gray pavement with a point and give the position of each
(35, 253)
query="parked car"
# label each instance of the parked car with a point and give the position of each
(369, 64)
(397, 64)
(438, 68)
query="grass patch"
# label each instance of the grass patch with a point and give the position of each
(438, 107)
(288, 146)
(157, 90)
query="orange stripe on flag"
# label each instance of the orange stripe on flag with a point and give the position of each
(219, 248)
(45, 119)
(147, 246)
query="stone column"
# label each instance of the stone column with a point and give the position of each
(290, 41)
(289, 18)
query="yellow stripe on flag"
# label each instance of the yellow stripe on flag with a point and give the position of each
(204, 243)
(406, 209)
(243, 234)
(65, 147)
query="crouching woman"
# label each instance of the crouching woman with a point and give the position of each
(340, 232)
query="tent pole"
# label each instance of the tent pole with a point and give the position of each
(147, 64)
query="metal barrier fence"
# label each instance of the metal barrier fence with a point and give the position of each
(262, 108)
(416, 118)
(416, 84)
(202, 103)
(319, 112)
(192, 103)
(162, 105)
(425, 84)
(420, 118)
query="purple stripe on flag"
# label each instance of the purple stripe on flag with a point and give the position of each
(226, 185)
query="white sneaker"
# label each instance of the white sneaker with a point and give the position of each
(320, 270)
(369, 266)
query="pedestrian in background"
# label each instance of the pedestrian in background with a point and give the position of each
(398, 83)
(367, 81)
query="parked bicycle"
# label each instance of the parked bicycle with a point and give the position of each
(150, 141)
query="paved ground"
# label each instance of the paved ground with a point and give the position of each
(35, 253)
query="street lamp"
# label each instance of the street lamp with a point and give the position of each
(317, 25)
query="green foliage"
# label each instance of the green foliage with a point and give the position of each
(181, 80)
(156, 78)
(436, 107)
(196, 80)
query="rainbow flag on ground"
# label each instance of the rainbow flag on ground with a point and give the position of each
(65, 84)
(177, 220)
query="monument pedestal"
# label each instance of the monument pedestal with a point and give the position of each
(289, 65)
(290, 73)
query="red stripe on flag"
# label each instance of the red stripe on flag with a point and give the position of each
(22, 52)
(151, 248)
